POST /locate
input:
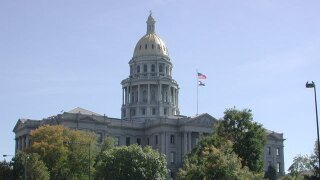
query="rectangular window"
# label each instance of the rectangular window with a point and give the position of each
(269, 150)
(172, 157)
(139, 141)
(172, 139)
(145, 68)
(99, 137)
(165, 111)
(148, 141)
(153, 111)
(156, 139)
(143, 111)
(278, 167)
(278, 151)
(153, 68)
(127, 141)
(117, 141)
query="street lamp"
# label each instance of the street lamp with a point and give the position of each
(87, 144)
(313, 85)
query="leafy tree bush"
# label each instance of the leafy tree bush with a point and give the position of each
(64, 151)
(248, 137)
(214, 159)
(271, 173)
(130, 162)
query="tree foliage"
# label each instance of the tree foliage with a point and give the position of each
(248, 137)
(130, 162)
(214, 159)
(271, 173)
(64, 151)
(31, 164)
(5, 170)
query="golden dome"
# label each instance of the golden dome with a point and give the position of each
(150, 44)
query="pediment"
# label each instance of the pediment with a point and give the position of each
(202, 120)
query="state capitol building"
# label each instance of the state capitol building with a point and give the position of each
(150, 112)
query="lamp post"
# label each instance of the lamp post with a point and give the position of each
(87, 144)
(313, 85)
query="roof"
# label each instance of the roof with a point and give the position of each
(82, 111)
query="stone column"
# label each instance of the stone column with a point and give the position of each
(185, 143)
(149, 94)
(126, 94)
(163, 142)
(189, 141)
(122, 95)
(138, 93)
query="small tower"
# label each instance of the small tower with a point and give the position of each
(150, 92)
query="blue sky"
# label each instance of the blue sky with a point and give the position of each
(58, 55)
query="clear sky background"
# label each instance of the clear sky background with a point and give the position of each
(62, 54)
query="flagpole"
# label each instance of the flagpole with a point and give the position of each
(197, 92)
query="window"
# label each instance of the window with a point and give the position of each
(152, 46)
(197, 141)
(269, 150)
(172, 139)
(172, 157)
(146, 46)
(160, 67)
(165, 111)
(127, 141)
(138, 69)
(124, 113)
(117, 141)
(148, 141)
(132, 112)
(153, 68)
(140, 47)
(278, 167)
(153, 111)
(143, 111)
(278, 151)
(156, 139)
(144, 96)
(158, 46)
(139, 141)
(99, 137)
(145, 68)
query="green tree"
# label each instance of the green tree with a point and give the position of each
(214, 158)
(29, 166)
(130, 162)
(271, 173)
(248, 137)
(5, 170)
(64, 151)
(300, 165)
(314, 159)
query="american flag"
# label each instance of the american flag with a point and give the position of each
(201, 76)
